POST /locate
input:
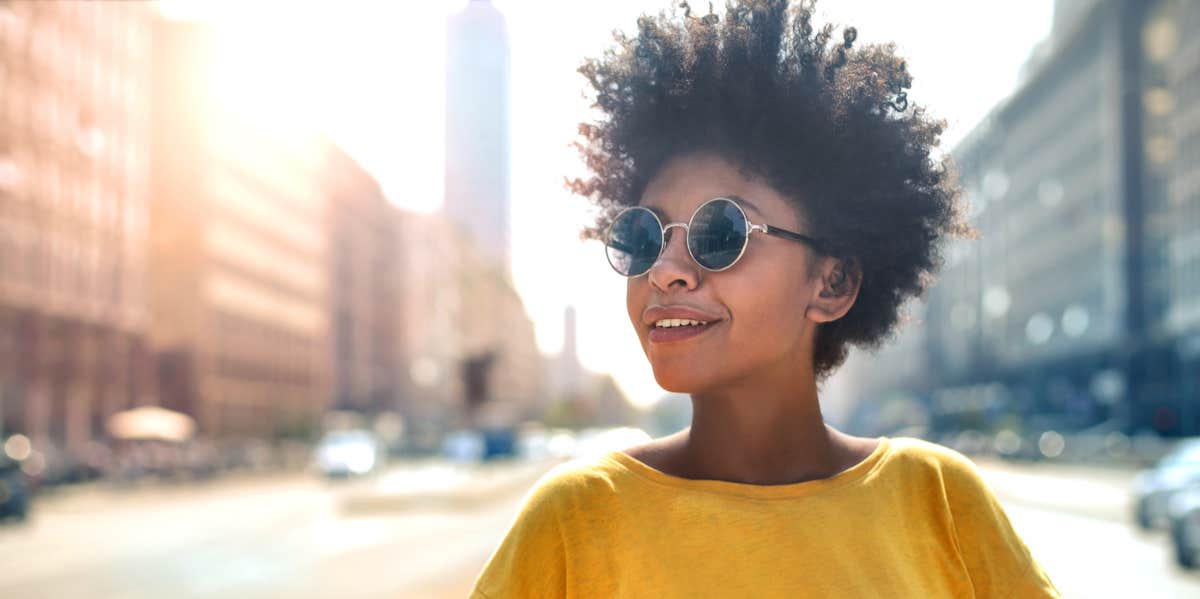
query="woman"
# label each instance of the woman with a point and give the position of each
(771, 198)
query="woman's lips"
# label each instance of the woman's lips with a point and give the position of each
(675, 334)
(656, 313)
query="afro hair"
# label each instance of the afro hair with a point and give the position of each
(827, 123)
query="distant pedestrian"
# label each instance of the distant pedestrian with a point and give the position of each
(773, 197)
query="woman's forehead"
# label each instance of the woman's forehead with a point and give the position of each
(749, 207)
(686, 182)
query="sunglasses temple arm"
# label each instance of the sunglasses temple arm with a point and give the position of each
(785, 234)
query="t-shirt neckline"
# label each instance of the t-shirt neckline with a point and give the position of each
(852, 474)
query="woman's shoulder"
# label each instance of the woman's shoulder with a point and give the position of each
(911, 453)
(556, 516)
(585, 477)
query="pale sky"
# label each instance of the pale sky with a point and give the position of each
(371, 75)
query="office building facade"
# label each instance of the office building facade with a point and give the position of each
(1076, 308)
(74, 207)
(239, 254)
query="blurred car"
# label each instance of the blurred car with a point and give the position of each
(970, 442)
(541, 444)
(465, 446)
(1183, 520)
(499, 443)
(14, 491)
(349, 453)
(1153, 489)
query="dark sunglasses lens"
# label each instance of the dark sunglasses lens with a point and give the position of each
(717, 234)
(634, 242)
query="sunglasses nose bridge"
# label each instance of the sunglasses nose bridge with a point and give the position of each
(673, 264)
(667, 231)
(669, 237)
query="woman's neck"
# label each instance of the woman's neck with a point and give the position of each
(758, 440)
(762, 429)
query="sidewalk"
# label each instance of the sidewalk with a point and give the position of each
(1087, 490)
(403, 484)
(442, 484)
(83, 496)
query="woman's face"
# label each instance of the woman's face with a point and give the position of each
(759, 307)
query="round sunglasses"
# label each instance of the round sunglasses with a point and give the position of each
(717, 235)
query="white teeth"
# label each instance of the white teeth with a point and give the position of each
(678, 322)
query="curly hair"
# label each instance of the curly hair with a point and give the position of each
(826, 123)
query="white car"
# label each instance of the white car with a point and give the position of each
(1153, 488)
(349, 453)
(1183, 518)
(464, 446)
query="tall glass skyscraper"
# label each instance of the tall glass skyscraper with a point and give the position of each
(477, 138)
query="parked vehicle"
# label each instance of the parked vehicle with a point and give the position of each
(465, 446)
(1153, 489)
(14, 491)
(349, 453)
(542, 443)
(481, 445)
(499, 443)
(1183, 520)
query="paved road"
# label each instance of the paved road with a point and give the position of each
(1076, 521)
(288, 537)
(1089, 557)
(294, 537)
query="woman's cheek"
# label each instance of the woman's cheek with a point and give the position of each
(635, 304)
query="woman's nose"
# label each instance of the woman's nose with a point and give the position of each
(675, 266)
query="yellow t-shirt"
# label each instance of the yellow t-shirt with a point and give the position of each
(914, 519)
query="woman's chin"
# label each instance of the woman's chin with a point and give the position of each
(677, 382)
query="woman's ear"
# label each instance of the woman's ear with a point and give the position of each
(838, 284)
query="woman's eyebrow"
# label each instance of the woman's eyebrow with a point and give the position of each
(738, 199)
(745, 203)
(655, 209)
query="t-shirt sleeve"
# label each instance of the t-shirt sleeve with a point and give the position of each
(997, 560)
(530, 560)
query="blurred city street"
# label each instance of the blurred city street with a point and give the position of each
(1076, 521)
(285, 291)
(283, 536)
(414, 531)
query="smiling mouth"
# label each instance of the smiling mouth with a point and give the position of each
(679, 333)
